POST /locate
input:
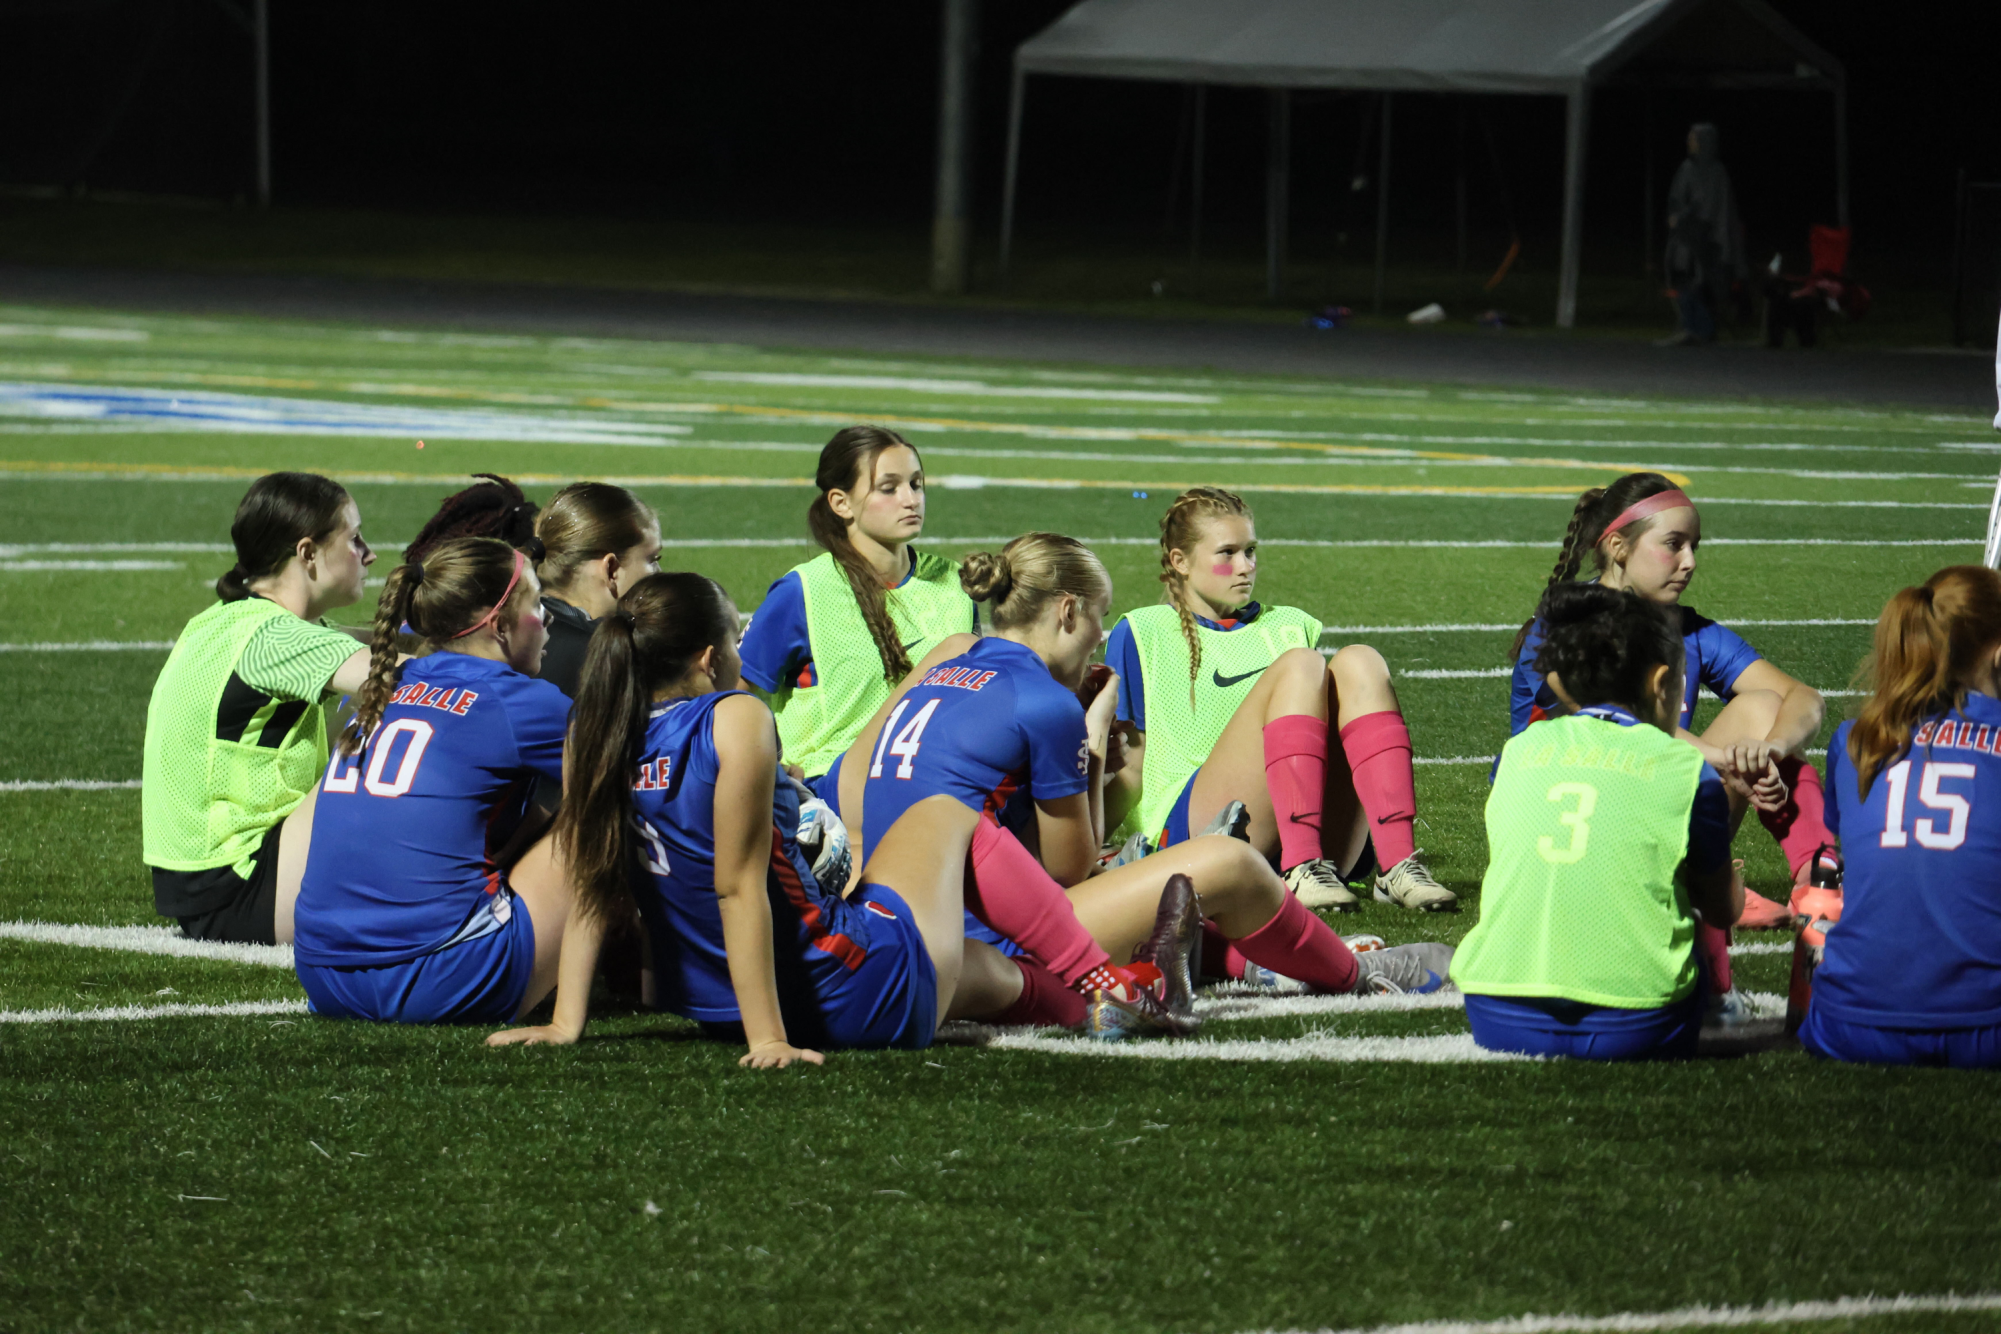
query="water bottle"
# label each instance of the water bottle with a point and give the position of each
(1816, 907)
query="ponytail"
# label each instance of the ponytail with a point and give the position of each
(278, 511)
(1586, 533)
(1928, 639)
(662, 624)
(448, 593)
(492, 507)
(847, 463)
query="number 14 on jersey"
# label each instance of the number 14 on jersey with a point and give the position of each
(906, 742)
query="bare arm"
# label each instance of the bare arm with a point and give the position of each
(747, 745)
(1124, 789)
(351, 675)
(583, 936)
(1073, 828)
(1801, 708)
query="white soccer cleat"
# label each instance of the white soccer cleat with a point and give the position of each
(1408, 884)
(1319, 885)
(1404, 970)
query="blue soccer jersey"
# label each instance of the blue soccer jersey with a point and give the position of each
(821, 944)
(1919, 941)
(1716, 657)
(406, 832)
(978, 728)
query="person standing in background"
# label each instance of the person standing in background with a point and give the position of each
(1704, 249)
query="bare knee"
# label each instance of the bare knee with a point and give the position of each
(1233, 879)
(1298, 666)
(1358, 667)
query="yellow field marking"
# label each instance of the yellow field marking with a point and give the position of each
(222, 471)
(822, 416)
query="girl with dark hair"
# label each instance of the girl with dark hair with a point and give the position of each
(492, 507)
(236, 732)
(1912, 970)
(597, 540)
(1606, 836)
(419, 905)
(1231, 701)
(675, 799)
(1641, 533)
(1019, 713)
(835, 634)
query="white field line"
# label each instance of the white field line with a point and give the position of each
(146, 940)
(1232, 1000)
(93, 646)
(1448, 1049)
(959, 481)
(1691, 1317)
(1482, 673)
(1762, 947)
(61, 1015)
(99, 566)
(70, 785)
(1452, 759)
(1445, 627)
(11, 550)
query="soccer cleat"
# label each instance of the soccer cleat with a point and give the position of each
(1408, 884)
(1761, 914)
(1404, 970)
(1177, 930)
(1132, 850)
(1233, 820)
(1263, 978)
(1318, 884)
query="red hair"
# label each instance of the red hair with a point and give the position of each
(1928, 640)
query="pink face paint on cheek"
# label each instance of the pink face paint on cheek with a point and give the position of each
(1224, 570)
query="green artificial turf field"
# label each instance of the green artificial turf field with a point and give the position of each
(1316, 1163)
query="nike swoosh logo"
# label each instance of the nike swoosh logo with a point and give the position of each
(1226, 682)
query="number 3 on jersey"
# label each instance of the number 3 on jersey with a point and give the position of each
(907, 741)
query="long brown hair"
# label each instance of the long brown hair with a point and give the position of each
(492, 506)
(1180, 528)
(1596, 508)
(277, 511)
(1928, 639)
(587, 521)
(454, 585)
(1031, 572)
(662, 624)
(848, 462)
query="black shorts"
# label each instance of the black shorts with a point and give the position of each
(219, 904)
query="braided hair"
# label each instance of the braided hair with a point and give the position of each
(847, 463)
(437, 597)
(491, 507)
(1586, 533)
(1180, 528)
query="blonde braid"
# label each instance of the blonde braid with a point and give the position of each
(392, 612)
(1179, 528)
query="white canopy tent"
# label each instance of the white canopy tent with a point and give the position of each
(1556, 48)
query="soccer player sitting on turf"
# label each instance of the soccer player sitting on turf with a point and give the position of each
(597, 540)
(1016, 714)
(236, 733)
(1641, 533)
(1912, 971)
(1233, 702)
(1605, 834)
(675, 799)
(419, 904)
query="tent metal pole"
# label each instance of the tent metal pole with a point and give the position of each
(1383, 203)
(1578, 127)
(955, 118)
(1013, 167)
(1840, 155)
(1278, 163)
(260, 32)
(1195, 172)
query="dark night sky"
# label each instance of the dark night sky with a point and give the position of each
(792, 112)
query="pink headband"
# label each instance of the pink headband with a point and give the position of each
(1646, 509)
(520, 563)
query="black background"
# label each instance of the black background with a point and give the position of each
(801, 113)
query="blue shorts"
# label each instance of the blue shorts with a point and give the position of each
(1845, 1040)
(477, 981)
(891, 1000)
(827, 787)
(1176, 831)
(1555, 1027)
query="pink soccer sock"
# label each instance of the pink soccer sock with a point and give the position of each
(1296, 773)
(1800, 826)
(1296, 943)
(1714, 943)
(1044, 1000)
(1378, 749)
(1220, 958)
(1010, 891)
